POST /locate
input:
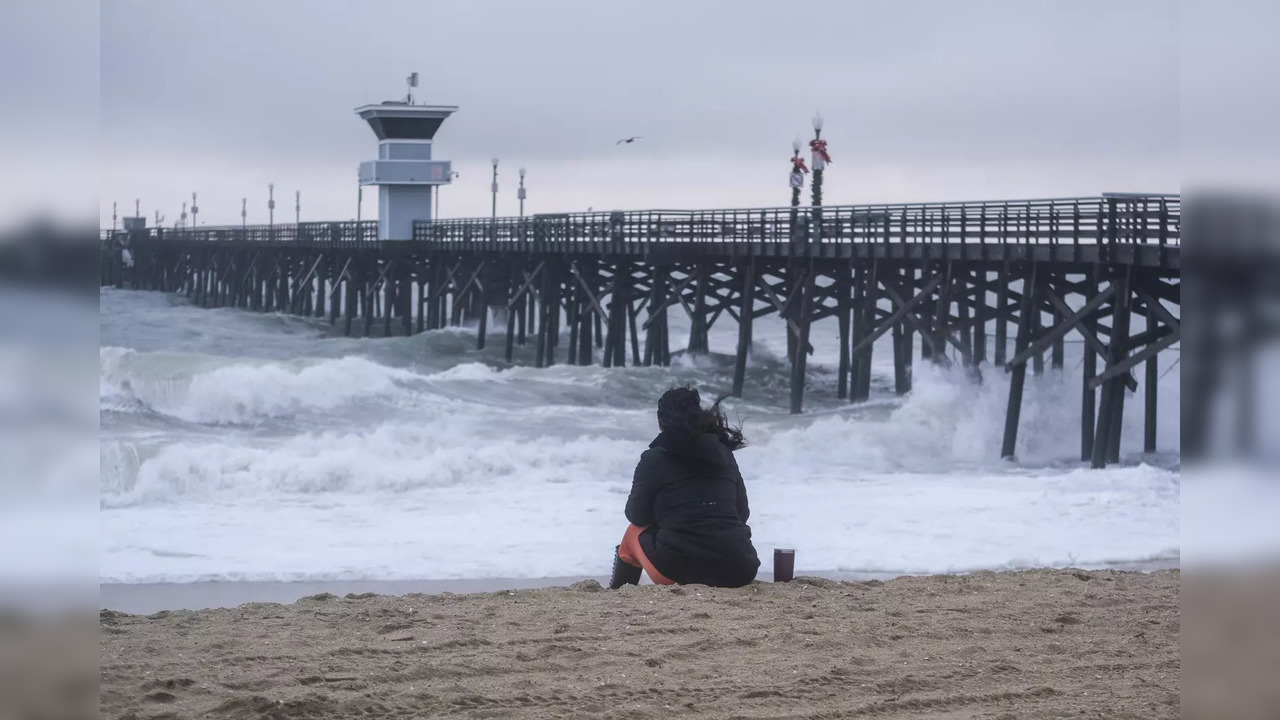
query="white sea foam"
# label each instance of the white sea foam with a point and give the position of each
(564, 517)
(214, 391)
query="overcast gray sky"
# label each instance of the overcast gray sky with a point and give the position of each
(932, 100)
(923, 100)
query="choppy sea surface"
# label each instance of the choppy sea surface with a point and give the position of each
(240, 446)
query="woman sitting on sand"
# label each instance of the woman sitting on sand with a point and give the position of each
(688, 505)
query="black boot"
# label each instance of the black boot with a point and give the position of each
(623, 573)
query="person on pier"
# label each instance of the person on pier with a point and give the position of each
(688, 505)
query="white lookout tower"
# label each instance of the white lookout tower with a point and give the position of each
(404, 171)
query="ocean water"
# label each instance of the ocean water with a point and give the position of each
(240, 446)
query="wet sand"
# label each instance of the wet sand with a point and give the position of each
(1034, 644)
(147, 598)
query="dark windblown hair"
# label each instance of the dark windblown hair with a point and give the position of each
(681, 415)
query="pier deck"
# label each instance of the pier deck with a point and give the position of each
(947, 276)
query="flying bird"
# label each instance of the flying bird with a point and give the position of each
(628, 140)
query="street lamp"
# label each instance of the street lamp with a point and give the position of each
(194, 211)
(244, 211)
(494, 188)
(113, 216)
(798, 170)
(182, 221)
(297, 207)
(520, 193)
(820, 160)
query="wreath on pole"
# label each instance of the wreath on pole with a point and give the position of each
(821, 158)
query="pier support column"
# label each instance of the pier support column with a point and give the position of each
(870, 297)
(926, 311)
(858, 326)
(1058, 356)
(1106, 441)
(322, 284)
(964, 302)
(352, 292)
(1037, 327)
(803, 316)
(844, 316)
(437, 299)
(253, 286)
(632, 312)
(541, 327)
(269, 284)
(903, 345)
(789, 288)
(420, 303)
(979, 300)
(655, 341)
(1004, 278)
(482, 311)
(746, 313)
(515, 311)
(531, 322)
(549, 314)
(942, 317)
(369, 295)
(404, 294)
(698, 323)
(573, 317)
(282, 288)
(557, 287)
(520, 312)
(1088, 396)
(335, 294)
(901, 361)
(1030, 306)
(615, 346)
(1152, 379)
(586, 315)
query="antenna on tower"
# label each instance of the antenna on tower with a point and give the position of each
(412, 82)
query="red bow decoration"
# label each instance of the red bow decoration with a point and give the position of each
(797, 165)
(819, 147)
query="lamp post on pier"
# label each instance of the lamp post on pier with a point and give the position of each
(820, 161)
(271, 205)
(244, 212)
(494, 189)
(493, 217)
(297, 207)
(195, 210)
(798, 171)
(113, 216)
(520, 193)
(182, 219)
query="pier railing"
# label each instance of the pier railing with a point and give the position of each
(1114, 219)
(1140, 220)
(329, 233)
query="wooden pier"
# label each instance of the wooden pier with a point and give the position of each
(588, 287)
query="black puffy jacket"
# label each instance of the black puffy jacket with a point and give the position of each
(691, 498)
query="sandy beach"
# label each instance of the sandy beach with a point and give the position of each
(1034, 644)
